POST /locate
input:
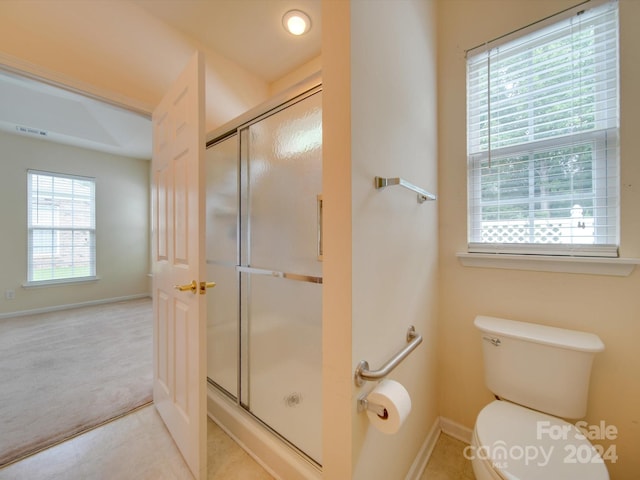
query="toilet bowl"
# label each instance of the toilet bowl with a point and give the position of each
(540, 375)
(513, 442)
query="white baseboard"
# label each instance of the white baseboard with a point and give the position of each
(441, 425)
(420, 462)
(456, 430)
(55, 308)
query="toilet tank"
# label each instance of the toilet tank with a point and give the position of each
(540, 367)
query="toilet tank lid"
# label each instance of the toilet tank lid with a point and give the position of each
(559, 337)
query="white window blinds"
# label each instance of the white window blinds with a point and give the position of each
(61, 224)
(542, 113)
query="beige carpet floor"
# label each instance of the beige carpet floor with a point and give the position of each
(64, 372)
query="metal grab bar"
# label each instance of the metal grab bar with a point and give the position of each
(423, 195)
(363, 374)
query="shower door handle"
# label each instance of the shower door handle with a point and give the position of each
(320, 215)
(275, 273)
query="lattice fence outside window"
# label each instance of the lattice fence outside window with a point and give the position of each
(562, 230)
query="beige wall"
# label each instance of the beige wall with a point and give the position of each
(380, 268)
(607, 306)
(300, 74)
(337, 376)
(122, 212)
(120, 50)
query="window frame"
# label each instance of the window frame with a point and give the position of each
(599, 139)
(32, 229)
(599, 136)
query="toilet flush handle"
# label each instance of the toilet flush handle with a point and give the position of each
(493, 341)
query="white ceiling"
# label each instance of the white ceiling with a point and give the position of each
(38, 110)
(249, 32)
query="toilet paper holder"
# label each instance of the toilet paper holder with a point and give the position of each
(386, 407)
(363, 374)
(364, 404)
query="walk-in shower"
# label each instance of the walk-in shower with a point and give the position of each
(264, 184)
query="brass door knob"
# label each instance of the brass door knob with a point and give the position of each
(193, 287)
(205, 285)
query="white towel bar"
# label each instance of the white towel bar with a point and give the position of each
(423, 195)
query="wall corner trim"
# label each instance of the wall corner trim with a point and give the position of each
(30, 70)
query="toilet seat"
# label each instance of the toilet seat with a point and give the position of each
(514, 442)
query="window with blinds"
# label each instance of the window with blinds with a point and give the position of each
(543, 155)
(61, 224)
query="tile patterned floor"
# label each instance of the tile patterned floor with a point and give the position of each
(139, 447)
(447, 461)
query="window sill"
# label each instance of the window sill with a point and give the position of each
(66, 281)
(620, 267)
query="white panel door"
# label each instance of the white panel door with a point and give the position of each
(179, 390)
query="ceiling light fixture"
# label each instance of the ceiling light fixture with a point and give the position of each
(296, 22)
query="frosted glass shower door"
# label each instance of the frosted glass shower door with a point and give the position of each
(222, 258)
(281, 274)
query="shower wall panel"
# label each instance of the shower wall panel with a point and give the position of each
(222, 258)
(282, 299)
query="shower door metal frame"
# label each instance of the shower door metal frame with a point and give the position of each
(296, 94)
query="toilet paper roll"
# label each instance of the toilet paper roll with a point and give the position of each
(395, 399)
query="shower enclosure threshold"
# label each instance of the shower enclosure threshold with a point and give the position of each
(274, 454)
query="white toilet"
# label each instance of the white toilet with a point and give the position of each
(534, 369)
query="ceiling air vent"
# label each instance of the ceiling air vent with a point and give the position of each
(31, 131)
